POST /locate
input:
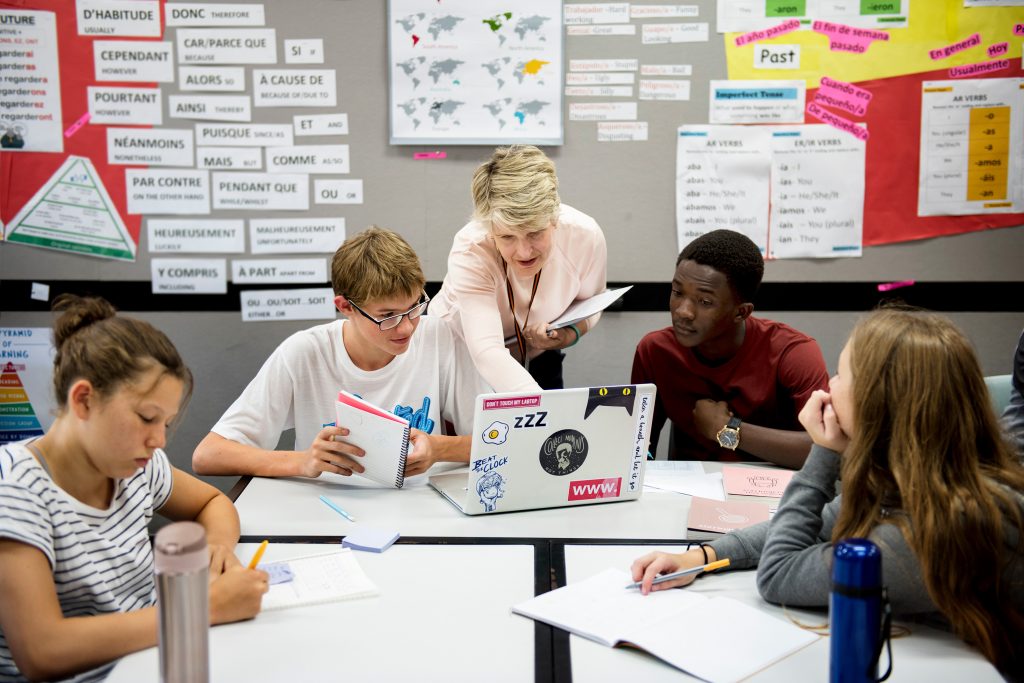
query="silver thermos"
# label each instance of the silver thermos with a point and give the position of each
(183, 602)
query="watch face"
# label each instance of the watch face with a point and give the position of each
(729, 438)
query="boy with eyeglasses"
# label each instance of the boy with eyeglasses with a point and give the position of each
(385, 350)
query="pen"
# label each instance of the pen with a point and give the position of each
(337, 509)
(710, 566)
(257, 555)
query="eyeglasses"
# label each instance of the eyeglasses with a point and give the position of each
(393, 321)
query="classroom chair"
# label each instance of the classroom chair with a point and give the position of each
(999, 391)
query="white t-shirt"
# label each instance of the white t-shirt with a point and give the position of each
(299, 383)
(102, 561)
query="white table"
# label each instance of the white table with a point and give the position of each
(291, 507)
(926, 655)
(442, 614)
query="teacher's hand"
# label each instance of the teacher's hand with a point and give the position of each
(539, 337)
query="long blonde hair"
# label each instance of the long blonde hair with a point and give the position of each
(927, 439)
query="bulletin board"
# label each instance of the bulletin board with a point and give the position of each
(628, 186)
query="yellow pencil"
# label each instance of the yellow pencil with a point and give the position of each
(259, 553)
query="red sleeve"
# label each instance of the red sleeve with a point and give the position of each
(802, 370)
(642, 375)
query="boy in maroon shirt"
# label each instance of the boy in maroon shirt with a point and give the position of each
(731, 384)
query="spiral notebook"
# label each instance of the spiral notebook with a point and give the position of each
(383, 436)
(314, 579)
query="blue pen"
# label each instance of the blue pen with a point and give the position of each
(337, 509)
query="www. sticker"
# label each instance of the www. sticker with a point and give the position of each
(588, 489)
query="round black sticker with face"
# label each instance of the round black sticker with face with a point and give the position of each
(563, 452)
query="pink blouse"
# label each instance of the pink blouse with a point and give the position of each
(475, 300)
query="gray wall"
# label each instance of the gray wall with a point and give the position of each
(628, 187)
(225, 353)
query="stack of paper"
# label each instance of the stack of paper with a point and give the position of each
(369, 539)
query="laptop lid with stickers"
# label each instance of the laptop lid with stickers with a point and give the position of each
(554, 448)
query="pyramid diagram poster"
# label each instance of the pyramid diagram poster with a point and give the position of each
(73, 212)
(26, 362)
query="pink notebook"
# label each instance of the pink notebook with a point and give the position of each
(755, 481)
(723, 516)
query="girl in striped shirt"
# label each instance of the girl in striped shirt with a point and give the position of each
(76, 567)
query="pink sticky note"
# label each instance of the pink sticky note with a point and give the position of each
(888, 286)
(836, 121)
(723, 516)
(73, 128)
(430, 155)
(844, 38)
(979, 68)
(997, 49)
(755, 481)
(846, 44)
(960, 46)
(842, 95)
(773, 32)
(1018, 29)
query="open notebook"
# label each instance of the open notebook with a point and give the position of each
(383, 435)
(314, 579)
(717, 639)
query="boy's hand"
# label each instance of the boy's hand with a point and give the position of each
(710, 416)
(329, 453)
(423, 455)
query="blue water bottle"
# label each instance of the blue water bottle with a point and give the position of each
(855, 611)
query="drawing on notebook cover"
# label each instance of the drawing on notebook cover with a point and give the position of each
(624, 396)
(563, 452)
(496, 433)
(490, 488)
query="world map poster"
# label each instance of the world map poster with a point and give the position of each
(467, 72)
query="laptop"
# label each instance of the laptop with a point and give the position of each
(553, 449)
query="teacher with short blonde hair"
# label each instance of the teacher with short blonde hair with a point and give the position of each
(520, 262)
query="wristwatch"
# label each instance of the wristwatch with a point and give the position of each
(729, 435)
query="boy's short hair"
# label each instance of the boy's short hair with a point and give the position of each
(732, 254)
(517, 188)
(376, 264)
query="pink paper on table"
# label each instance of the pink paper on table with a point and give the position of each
(725, 516)
(773, 32)
(835, 121)
(959, 46)
(842, 95)
(755, 481)
(997, 49)
(979, 68)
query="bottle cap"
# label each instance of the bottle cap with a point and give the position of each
(181, 547)
(857, 563)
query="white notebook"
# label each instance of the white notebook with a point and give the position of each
(717, 639)
(382, 435)
(327, 577)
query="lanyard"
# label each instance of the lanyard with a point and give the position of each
(520, 339)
